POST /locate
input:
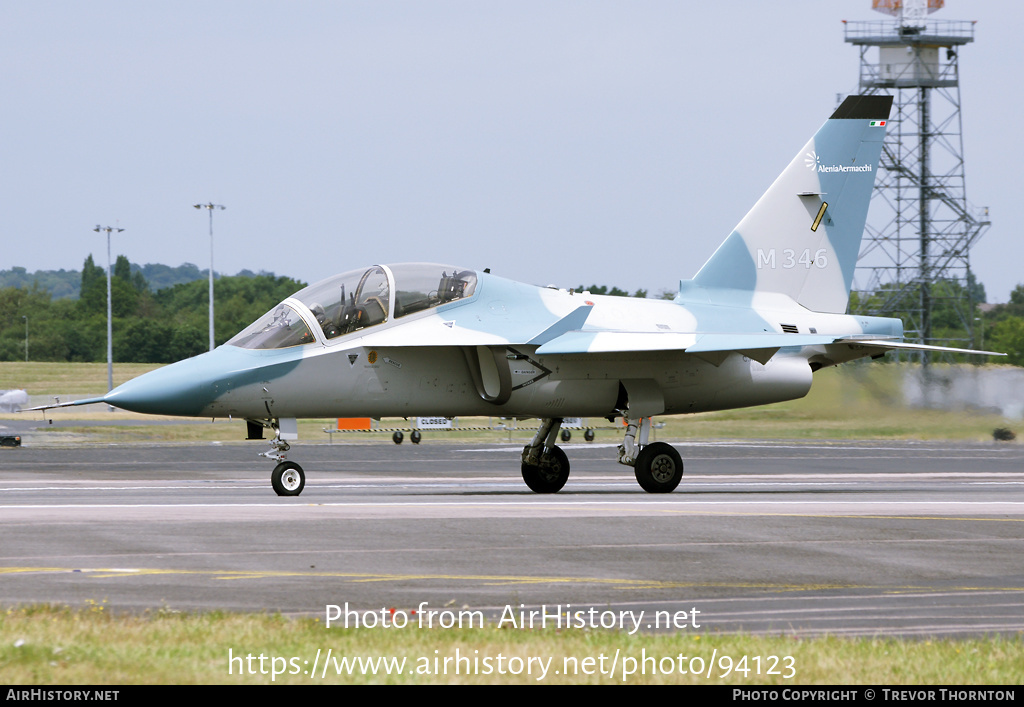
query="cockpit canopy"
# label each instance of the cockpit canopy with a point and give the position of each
(356, 300)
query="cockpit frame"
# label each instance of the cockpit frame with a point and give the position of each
(355, 301)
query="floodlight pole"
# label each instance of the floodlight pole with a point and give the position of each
(110, 329)
(210, 207)
(26, 336)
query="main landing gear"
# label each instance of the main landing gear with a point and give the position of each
(657, 466)
(545, 466)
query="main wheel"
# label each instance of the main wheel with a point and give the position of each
(415, 437)
(550, 475)
(288, 479)
(658, 468)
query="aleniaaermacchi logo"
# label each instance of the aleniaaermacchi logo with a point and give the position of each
(811, 160)
(814, 163)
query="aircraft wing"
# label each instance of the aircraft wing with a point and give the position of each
(466, 330)
(759, 346)
(713, 346)
(612, 341)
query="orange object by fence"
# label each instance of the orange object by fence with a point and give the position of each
(353, 423)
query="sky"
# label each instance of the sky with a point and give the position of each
(555, 142)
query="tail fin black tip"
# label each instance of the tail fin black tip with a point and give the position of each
(863, 107)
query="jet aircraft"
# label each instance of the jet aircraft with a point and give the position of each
(763, 314)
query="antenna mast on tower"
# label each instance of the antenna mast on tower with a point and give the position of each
(914, 260)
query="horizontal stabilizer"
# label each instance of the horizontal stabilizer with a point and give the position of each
(908, 346)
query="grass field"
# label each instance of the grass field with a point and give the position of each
(66, 378)
(57, 645)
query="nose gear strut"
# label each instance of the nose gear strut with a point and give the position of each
(288, 478)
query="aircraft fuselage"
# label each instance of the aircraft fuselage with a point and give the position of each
(463, 368)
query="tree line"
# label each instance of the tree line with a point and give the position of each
(68, 283)
(165, 324)
(955, 305)
(1002, 328)
(149, 326)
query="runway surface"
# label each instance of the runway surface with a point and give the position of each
(763, 537)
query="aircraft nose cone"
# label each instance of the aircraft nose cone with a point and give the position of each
(183, 388)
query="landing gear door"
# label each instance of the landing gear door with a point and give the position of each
(289, 427)
(644, 397)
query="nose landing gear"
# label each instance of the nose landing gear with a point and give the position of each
(288, 478)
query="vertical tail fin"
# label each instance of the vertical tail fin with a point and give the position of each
(802, 237)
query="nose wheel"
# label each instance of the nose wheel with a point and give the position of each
(288, 479)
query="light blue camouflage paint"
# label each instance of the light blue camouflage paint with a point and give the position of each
(188, 387)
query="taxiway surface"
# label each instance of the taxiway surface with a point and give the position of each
(764, 537)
